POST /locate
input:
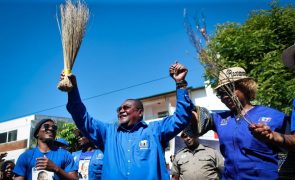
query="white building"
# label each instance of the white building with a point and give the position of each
(16, 135)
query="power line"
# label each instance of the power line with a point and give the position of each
(88, 98)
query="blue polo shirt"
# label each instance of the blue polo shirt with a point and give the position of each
(245, 156)
(136, 153)
(26, 162)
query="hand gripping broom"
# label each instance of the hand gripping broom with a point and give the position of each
(74, 18)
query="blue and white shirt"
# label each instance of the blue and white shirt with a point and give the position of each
(89, 164)
(136, 153)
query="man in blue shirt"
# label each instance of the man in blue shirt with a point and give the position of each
(88, 159)
(46, 157)
(132, 148)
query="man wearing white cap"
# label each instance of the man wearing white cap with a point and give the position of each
(246, 157)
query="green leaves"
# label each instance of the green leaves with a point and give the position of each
(257, 46)
(66, 131)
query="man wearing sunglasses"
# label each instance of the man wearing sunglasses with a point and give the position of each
(132, 148)
(56, 162)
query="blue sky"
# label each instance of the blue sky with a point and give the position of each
(127, 43)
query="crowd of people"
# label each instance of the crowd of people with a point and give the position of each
(250, 137)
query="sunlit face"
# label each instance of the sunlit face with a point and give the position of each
(128, 113)
(47, 131)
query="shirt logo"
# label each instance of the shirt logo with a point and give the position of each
(264, 119)
(143, 144)
(224, 122)
(99, 156)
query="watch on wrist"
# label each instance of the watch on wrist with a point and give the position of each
(181, 84)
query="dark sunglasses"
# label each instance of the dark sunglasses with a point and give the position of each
(47, 126)
(221, 93)
(125, 107)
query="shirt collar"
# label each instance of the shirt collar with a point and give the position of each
(199, 148)
(135, 127)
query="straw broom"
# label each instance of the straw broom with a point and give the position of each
(74, 18)
(210, 61)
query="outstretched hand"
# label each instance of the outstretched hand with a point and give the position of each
(178, 72)
(2, 156)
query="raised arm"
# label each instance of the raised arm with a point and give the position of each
(90, 127)
(170, 126)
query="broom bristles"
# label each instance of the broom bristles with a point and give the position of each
(210, 62)
(74, 19)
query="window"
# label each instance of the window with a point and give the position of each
(8, 136)
(3, 137)
(163, 114)
(12, 135)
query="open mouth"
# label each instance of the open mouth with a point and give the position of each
(123, 115)
(50, 133)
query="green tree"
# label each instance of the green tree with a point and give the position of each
(66, 131)
(257, 46)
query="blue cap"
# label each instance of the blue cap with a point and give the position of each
(62, 141)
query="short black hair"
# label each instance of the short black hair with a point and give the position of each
(138, 104)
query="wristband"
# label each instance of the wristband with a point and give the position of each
(181, 84)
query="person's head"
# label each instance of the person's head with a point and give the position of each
(42, 175)
(45, 130)
(190, 139)
(234, 82)
(7, 170)
(130, 112)
(83, 142)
